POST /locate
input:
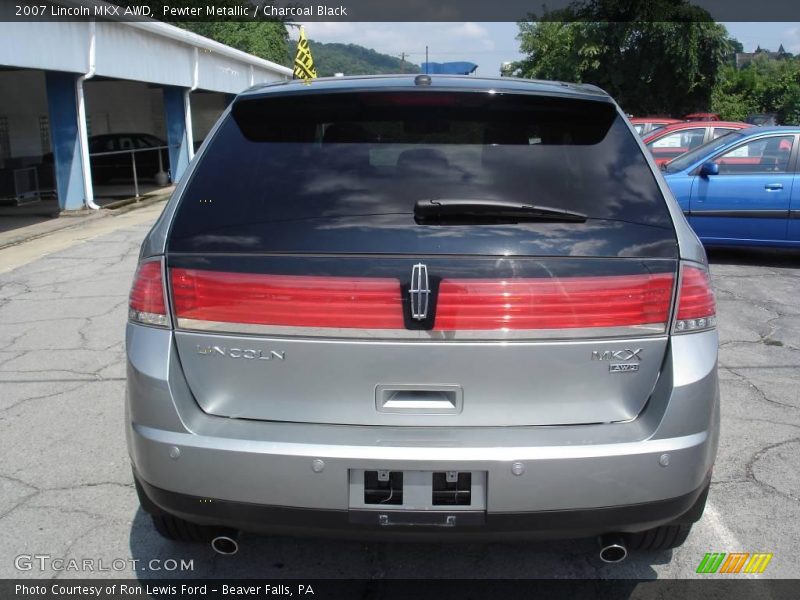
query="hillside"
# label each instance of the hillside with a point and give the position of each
(352, 59)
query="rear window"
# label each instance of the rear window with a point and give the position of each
(350, 159)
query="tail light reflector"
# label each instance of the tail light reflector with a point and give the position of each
(146, 301)
(696, 307)
(573, 302)
(288, 300)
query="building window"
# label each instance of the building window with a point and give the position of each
(44, 134)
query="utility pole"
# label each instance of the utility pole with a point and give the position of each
(403, 62)
(426, 60)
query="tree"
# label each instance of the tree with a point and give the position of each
(660, 57)
(764, 86)
(736, 46)
(263, 38)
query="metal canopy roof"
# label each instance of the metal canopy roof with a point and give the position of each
(147, 51)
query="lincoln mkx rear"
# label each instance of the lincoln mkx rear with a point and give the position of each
(448, 308)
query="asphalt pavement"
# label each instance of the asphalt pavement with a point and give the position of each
(65, 483)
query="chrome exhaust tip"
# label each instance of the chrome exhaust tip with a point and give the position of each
(225, 544)
(612, 548)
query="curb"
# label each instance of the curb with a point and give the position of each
(75, 219)
(128, 204)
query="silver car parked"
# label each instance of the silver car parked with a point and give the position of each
(423, 307)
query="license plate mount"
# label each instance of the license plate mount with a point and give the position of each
(416, 519)
(409, 490)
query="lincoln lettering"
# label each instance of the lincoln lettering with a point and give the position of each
(248, 353)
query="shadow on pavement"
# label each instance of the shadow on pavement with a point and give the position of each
(764, 257)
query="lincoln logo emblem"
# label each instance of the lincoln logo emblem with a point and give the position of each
(419, 292)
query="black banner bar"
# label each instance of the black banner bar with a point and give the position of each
(400, 11)
(711, 587)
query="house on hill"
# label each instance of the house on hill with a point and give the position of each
(743, 59)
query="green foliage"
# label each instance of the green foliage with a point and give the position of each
(665, 61)
(763, 86)
(263, 38)
(352, 59)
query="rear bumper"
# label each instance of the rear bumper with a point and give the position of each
(576, 480)
(563, 492)
(282, 520)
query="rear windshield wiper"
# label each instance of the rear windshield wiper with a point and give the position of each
(464, 211)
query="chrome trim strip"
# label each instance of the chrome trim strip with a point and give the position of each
(649, 329)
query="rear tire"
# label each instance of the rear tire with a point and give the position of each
(660, 538)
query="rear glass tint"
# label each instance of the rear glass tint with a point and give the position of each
(360, 156)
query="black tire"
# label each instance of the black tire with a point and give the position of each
(660, 538)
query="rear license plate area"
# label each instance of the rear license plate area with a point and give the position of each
(383, 487)
(445, 491)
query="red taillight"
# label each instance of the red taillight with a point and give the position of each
(202, 298)
(146, 302)
(696, 307)
(287, 300)
(614, 301)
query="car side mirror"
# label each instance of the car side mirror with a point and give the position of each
(709, 168)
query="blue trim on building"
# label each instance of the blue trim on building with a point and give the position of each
(62, 106)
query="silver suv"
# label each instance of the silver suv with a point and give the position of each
(409, 307)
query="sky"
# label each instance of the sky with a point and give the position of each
(490, 44)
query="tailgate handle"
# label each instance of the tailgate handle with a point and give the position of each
(419, 399)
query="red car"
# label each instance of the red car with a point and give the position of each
(673, 140)
(701, 117)
(647, 125)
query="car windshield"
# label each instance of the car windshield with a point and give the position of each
(689, 158)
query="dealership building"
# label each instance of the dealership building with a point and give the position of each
(112, 97)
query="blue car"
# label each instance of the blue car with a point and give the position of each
(740, 190)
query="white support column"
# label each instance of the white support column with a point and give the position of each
(187, 109)
(83, 132)
(187, 103)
